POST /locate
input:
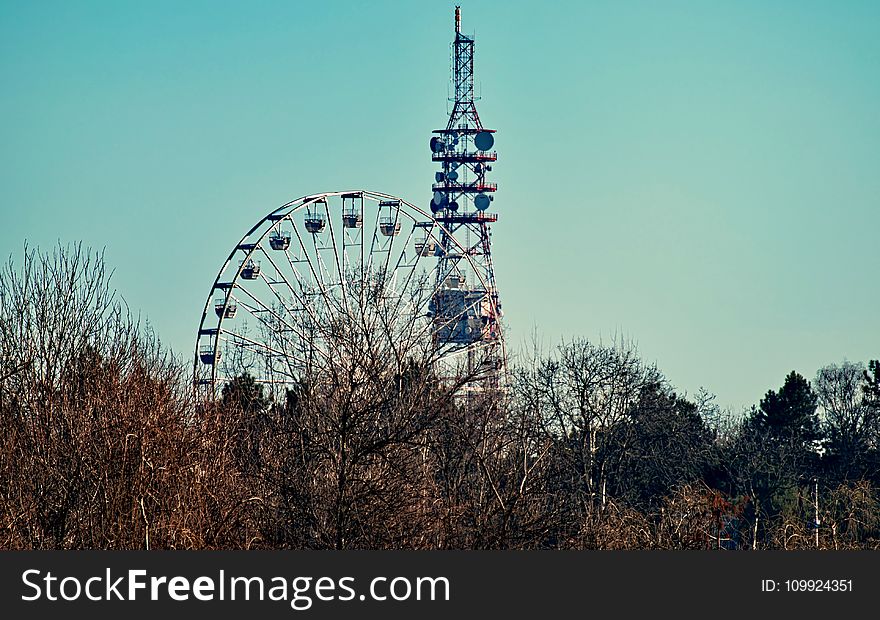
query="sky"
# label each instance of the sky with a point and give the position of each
(700, 178)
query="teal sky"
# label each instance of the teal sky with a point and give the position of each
(700, 177)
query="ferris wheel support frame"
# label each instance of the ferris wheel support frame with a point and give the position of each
(250, 248)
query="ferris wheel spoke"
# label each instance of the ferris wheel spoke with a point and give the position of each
(374, 242)
(412, 268)
(258, 311)
(401, 328)
(248, 347)
(241, 341)
(328, 285)
(287, 357)
(307, 306)
(351, 237)
(318, 324)
(402, 254)
(362, 244)
(319, 259)
(339, 271)
(312, 270)
(264, 308)
(291, 380)
(304, 288)
(275, 335)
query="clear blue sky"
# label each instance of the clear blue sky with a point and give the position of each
(702, 177)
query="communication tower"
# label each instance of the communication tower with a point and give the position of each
(465, 307)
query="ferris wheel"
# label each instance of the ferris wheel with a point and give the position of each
(322, 275)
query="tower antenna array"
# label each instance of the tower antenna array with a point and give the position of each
(461, 199)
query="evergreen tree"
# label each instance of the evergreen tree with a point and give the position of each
(789, 414)
(246, 408)
(244, 393)
(663, 445)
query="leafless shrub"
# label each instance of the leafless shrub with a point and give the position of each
(98, 448)
(380, 445)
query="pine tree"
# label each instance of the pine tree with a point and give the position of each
(789, 413)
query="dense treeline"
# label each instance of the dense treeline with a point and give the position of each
(103, 445)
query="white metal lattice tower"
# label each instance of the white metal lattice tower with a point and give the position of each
(462, 196)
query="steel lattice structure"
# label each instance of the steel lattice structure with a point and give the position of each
(461, 198)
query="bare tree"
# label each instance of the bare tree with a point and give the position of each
(582, 395)
(852, 423)
(97, 443)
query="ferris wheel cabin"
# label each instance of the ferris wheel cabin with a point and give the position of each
(279, 240)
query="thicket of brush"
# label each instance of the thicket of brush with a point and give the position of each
(103, 446)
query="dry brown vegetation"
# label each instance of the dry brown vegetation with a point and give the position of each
(102, 445)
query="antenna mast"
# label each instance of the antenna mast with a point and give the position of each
(465, 307)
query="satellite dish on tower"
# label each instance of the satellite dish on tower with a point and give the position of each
(437, 144)
(481, 202)
(439, 198)
(484, 140)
